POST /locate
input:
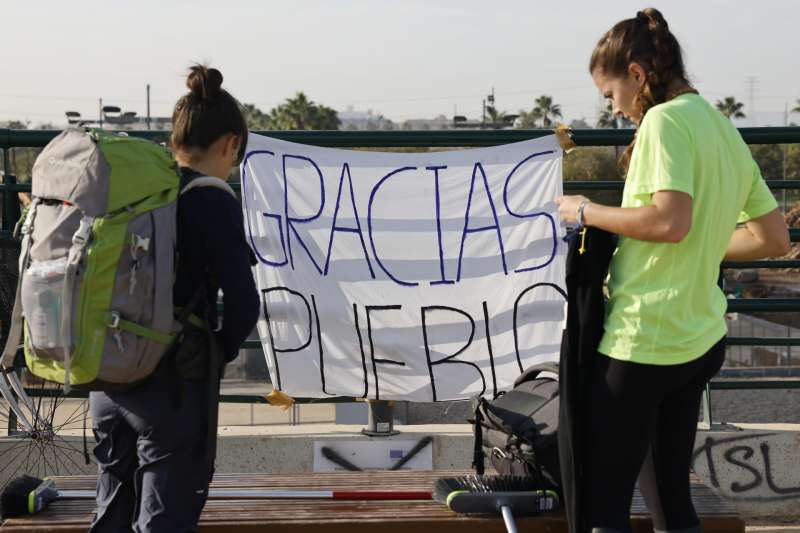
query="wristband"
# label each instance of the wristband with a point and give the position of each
(579, 217)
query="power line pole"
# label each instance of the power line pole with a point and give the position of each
(785, 150)
(148, 106)
(751, 91)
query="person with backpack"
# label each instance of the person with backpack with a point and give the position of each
(690, 181)
(156, 442)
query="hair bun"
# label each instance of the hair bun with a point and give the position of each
(204, 82)
(653, 18)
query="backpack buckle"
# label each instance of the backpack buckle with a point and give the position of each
(497, 452)
(81, 237)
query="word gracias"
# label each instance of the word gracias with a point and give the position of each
(287, 225)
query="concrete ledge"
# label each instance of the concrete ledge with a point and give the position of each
(287, 449)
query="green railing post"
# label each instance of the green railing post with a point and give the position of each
(707, 407)
(8, 195)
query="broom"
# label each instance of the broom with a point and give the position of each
(508, 495)
(28, 495)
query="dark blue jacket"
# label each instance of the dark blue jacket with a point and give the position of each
(212, 251)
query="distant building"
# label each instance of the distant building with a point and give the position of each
(363, 120)
(438, 123)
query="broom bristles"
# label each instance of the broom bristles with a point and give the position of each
(14, 499)
(491, 494)
(483, 484)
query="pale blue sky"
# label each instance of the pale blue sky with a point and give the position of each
(405, 59)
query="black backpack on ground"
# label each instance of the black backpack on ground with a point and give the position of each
(518, 430)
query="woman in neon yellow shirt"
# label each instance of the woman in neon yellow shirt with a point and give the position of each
(690, 181)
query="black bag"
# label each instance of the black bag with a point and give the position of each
(518, 430)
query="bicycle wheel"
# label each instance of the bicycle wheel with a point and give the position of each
(41, 430)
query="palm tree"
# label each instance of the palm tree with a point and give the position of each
(607, 119)
(254, 117)
(300, 113)
(529, 119)
(496, 118)
(548, 109)
(730, 107)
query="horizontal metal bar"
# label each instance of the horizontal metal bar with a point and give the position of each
(255, 398)
(741, 305)
(716, 384)
(763, 264)
(435, 138)
(604, 185)
(732, 341)
(224, 398)
(15, 187)
(783, 184)
(755, 384)
(618, 185)
(735, 305)
(762, 341)
(594, 185)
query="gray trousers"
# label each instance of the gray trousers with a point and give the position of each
(153, 472)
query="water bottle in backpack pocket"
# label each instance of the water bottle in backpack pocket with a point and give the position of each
(42, 290)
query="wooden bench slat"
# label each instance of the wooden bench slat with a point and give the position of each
(303, 516)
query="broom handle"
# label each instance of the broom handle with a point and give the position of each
(254, 494)
(508, 518)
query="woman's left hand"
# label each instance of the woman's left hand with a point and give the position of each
(568, 207)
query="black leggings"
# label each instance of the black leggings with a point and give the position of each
(643, 418)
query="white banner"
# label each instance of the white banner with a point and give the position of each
(406, 276)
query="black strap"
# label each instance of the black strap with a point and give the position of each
(85, 444)
(172, 351)
(216, 363)
(183, 316)
(478, 459)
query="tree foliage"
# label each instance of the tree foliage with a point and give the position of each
(730, 107)
(297, 113)
(255, 118)
(300, 113)
(541, 115)
(530, 119)
(548, 109)
(607, 119)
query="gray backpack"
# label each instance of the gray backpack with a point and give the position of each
(97, 263)
(518, 430)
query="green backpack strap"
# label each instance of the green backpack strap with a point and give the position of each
(80, 239)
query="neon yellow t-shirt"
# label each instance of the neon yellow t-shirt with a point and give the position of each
(665, 307)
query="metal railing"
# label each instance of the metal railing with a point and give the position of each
(10, 139)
